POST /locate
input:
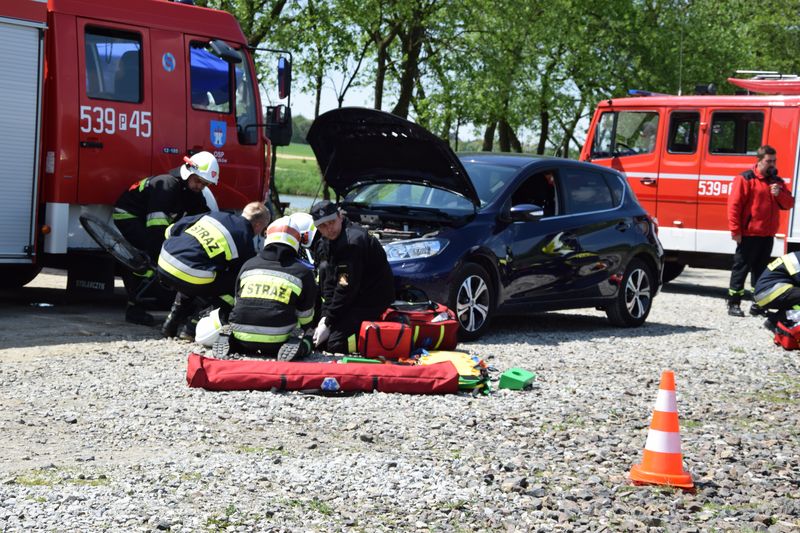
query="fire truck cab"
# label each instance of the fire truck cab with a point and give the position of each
(681, 153)
(96, 96)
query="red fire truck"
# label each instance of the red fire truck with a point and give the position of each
(97, 95)
(681, 153)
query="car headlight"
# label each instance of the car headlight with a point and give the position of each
(414, 249)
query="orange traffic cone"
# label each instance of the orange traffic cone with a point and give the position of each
(662, 462)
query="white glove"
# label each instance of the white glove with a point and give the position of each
(322, 332)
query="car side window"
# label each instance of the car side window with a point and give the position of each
(585, 191)
(617, 188)
(539, 189)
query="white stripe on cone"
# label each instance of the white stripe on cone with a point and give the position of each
(663, 441)
(665, 401)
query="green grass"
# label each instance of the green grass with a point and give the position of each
(297, 176)
(52, 477)
(303, 150)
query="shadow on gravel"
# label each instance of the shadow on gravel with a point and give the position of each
(562, 325)
(38, 316)
(676, 287)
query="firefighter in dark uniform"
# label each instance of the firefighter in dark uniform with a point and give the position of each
(275, 294)
(779, 287)
(145, 210)
(356, 280)
(201, 258)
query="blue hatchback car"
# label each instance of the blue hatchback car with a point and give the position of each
(489, 233)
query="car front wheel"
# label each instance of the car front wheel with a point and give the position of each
(635, 297)
(471, 297)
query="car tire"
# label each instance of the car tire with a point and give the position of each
(671, 271)
(635, 297)
(472, 300)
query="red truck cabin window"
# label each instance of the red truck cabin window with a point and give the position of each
(683, 129)
(113, 65)
(736, 132)
(210, 78)
(625, 133)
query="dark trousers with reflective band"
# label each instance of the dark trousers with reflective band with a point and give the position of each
(135, 233)
(752, 255)
(344, 334)
(223, 285)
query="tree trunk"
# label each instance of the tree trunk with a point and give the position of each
(380, 73)
(544, 117)
(488, 137)
(502, 136)
(411, 42)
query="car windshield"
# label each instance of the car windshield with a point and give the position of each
(489, 180)
(410, 197)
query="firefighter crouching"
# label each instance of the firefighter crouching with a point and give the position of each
(779, 287)
(145, 210)
(200, 259)
(275, 293)
(356, 280)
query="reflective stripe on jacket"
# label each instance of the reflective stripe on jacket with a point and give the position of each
(781, 275)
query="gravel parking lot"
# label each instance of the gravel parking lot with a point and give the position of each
(100, 432)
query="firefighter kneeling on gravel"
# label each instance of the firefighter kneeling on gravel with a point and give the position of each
(144, 211)
(201, 258)
(779, 287)
(275, 294)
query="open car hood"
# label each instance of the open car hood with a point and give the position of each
(355, 145)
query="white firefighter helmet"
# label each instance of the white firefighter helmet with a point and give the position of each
(202, 164)
(305, 223)
(283, 231)
(208, 328)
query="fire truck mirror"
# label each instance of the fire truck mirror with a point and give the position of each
(223, 50)
(278, 121)
(284, 77)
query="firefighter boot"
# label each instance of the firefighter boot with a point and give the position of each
(295, 348)
(180, 310)
(734, 308)
(757, 310)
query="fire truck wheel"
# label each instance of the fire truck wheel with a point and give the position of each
(671, 271)
(16, 276)
(635, 297)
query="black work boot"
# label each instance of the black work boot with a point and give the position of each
(295, 348)
(757, 310)
(136, 314)
(176, 316)
(734, 308)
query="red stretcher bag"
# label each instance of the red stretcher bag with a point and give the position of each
(390, 340)
(434, 326)
(226, 375)
(787, 336)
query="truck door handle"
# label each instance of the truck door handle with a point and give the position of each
(647, 181)
(91, 144)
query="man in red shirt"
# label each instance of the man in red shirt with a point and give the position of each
(754, 205)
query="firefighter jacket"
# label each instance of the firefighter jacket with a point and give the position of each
(354, 272)
(275, 293)
(157, 202)
(781, 275)
(197, 247)
(753, 211)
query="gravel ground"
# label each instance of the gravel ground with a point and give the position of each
(100, 432)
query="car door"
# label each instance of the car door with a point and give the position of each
(570, 254)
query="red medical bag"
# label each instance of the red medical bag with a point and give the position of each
(787, 336)
(434, 326)
(390, 340)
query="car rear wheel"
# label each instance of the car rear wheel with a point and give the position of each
(472, 299)
(635, 297)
